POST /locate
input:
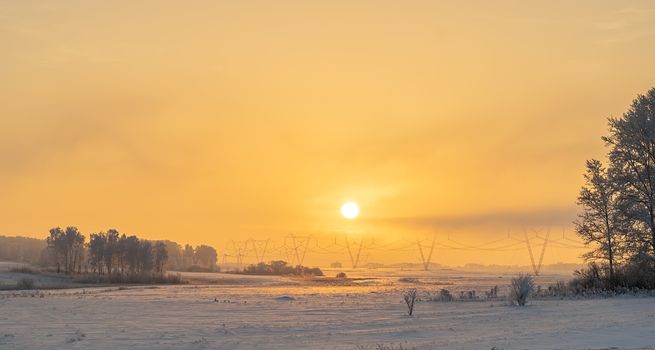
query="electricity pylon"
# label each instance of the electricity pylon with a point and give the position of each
(536, 267)
(240, 248)
(354, 259)
(426, 261)
(259, 247)
(300, 245)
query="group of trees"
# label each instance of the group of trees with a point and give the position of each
(115, 254)
(618, 200)
(200, 258)
(112, 253)
(67, 247)
(106, 253)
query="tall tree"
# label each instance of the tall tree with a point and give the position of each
(73, 249)
(111, 250)
(632, 154)
(131, 253)
(145, 256)
(161, 257)
(206, 256)
(56, 246)
(97, 243)
(601, 221)
(188, 256)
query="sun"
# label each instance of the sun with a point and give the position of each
(349, 210)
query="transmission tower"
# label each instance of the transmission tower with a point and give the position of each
(536, 267)
(259, 247)
(299, 244)
(240, 248)
(426, 261)
(354, 259)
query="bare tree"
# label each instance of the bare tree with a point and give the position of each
(145, 256)
(73, 249)
(97, 243)
(410, 298)
(111, 250)
(130, 253)
(67, 247)
(56, 246)
(601, 221)
(161, 257)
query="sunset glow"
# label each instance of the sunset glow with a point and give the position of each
(350, 210)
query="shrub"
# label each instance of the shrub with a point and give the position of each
(467, 295)
(520, 289)
(342, 275)
(281, 268)
(635, 273)
(559, 289)
(410, 298)
(25, 283)
(492, 293)
(444, 295)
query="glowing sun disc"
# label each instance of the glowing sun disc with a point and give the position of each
(349, 210)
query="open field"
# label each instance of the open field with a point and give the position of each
(243, 312)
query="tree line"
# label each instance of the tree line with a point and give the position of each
(618, 202)
(23, 249)
(106, 253)
(115, 254)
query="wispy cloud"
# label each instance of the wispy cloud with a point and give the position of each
(556, 216)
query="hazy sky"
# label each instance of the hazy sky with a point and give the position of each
(206, 121)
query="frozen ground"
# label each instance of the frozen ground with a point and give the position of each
(284, 313)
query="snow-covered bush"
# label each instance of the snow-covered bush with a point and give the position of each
(410, 298)
(520, 289)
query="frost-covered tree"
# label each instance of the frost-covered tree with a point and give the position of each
(601, 221)
(632, 154)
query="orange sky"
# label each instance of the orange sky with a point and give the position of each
(220, 120)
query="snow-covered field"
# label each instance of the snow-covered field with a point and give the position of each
(244, 312)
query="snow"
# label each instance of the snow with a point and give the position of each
(288, 313)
